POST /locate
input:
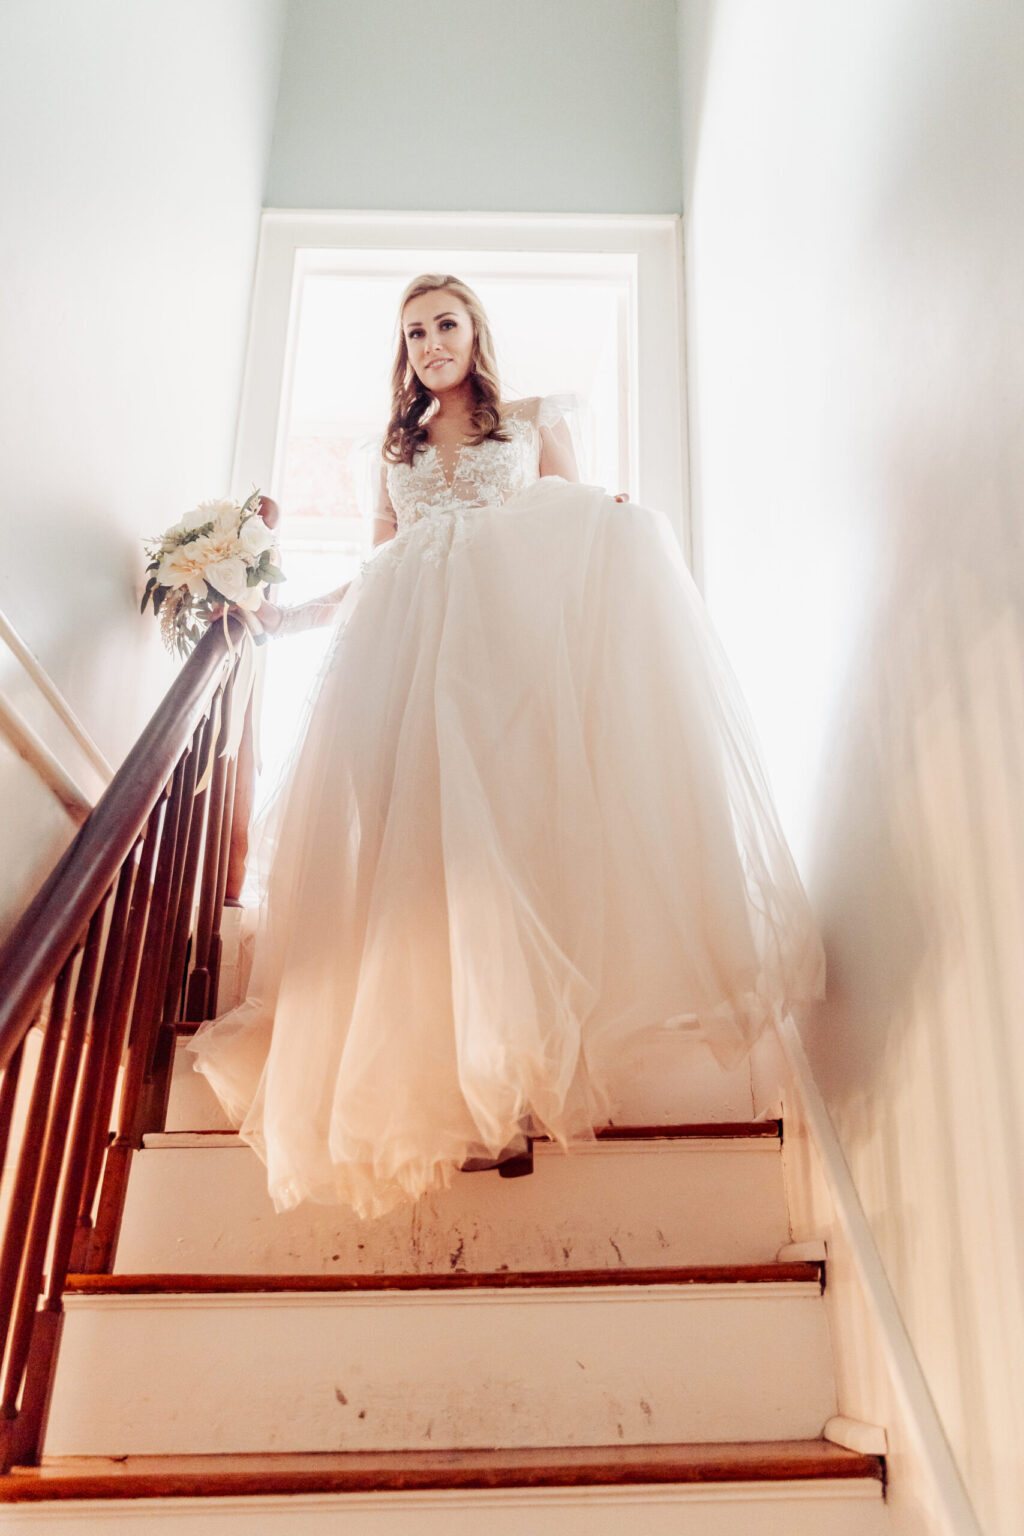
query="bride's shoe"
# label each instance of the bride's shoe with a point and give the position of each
(511, 1165)
(519, 1164)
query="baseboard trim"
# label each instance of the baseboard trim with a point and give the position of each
(908, 1379)
(855, 1435)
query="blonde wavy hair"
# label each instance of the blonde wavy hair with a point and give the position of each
(411, 400)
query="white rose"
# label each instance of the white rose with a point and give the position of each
(228, 576)
(224, 515)
(254, 537)
(252, 599)
(193, 520)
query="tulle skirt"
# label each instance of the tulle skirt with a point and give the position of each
(525, 824)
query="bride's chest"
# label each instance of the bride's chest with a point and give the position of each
(473, 475)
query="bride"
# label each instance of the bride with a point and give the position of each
(525, 823)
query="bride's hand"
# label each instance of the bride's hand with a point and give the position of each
(269, 615)
(622, 496)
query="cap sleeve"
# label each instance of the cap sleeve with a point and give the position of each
(555, 408)
(570, 409)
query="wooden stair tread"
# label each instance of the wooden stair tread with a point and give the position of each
(201, 1284)
(97, 1477)
(709, 1130)
(703, 1130)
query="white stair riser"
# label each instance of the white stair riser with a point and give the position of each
(206, 1210)
(785, 1509)
(673, 1081)
(426, 1370)
(192, 1105)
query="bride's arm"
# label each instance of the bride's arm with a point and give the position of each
(385, 519)
(557, 456)
(313, 614)
(321, 610)
(556, 451)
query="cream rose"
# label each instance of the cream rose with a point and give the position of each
(193, 520)
(180, 568)
(228, 576)
(254, 537)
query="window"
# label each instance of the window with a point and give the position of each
(588, 306)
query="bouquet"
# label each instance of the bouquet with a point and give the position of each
(221, 554)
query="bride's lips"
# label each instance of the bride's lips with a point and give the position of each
(439, 362)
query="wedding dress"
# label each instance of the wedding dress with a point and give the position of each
(525, 824)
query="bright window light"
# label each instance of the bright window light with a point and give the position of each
(593, 314)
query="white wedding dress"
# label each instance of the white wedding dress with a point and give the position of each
(525, 824)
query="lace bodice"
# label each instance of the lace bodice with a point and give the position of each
(483, 474)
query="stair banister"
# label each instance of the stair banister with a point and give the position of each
(101, 962)
(44, 936)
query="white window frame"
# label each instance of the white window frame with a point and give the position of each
(653, 243)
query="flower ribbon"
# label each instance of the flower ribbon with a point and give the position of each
(244, 689)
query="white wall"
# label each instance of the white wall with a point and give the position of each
(135, 137)
(855, 214)
(515, 105)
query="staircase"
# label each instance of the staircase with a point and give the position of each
(621, 1341)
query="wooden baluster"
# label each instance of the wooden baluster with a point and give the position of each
(91, 1129)
(159, 1087)
(174, 995)
(241, 815)
(91, 1124)
(152, 1101)
(31, 1145)
(216, 947)
(35, 1334)
(154, 897)
(23, 1193)
(142, 1043)
(200, 984)
(192, 765)
(93, 1242)
(144, 1006)
(8, 1098)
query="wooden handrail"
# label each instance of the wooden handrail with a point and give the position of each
(118, 945)
(44, 936)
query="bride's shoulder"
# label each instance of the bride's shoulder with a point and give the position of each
(539, 410)
(526, 409)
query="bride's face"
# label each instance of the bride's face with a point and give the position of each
(439, 339)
